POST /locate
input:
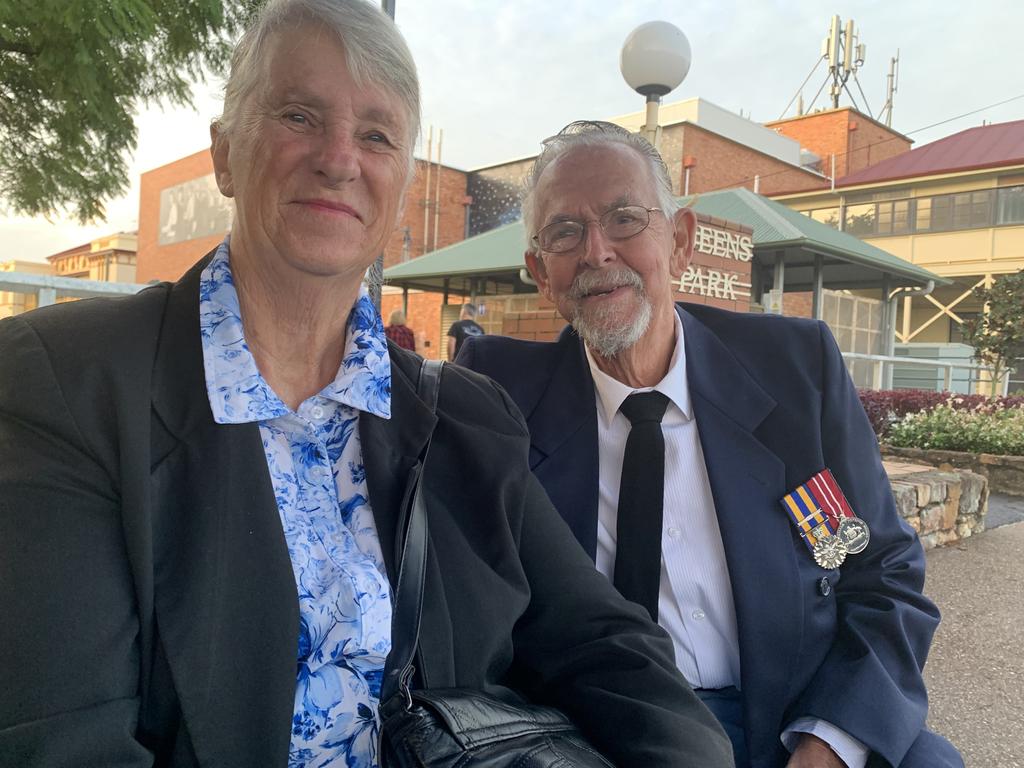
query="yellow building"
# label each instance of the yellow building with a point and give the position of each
(103, 267)
(109, 259)
(16, 302)
(954, 207)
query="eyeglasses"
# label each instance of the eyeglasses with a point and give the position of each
(617, 224)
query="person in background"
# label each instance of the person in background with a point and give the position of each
(200, 523)
(399, 333)
(463, 328)
(700, 456)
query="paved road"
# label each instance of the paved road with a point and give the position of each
(975, 672)
(1004, 509)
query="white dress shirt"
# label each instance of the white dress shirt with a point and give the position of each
(695, 604)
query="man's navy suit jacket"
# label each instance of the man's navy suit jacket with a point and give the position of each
(774, 406)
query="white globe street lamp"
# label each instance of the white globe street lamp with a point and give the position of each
(654, 61)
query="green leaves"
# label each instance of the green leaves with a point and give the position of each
(997, 335)
(982, 430)
(72, 77)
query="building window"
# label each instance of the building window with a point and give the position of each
(1010, 205)
(827, 216)
(893, 218)
(860, 219)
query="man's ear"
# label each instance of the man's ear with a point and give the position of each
(220, 147)
(685, 222)
(539, 273)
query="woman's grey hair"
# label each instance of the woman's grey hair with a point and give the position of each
(375, 52)
(594, 133)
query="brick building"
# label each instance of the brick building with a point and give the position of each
(852, 139)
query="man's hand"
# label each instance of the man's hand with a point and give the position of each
(812, 752)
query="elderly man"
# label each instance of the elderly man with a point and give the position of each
(199, 523)
(807, 659)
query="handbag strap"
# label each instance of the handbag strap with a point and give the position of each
(405, 621)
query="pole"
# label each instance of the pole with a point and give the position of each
(375, 275)
(437, 194)
(426, 192)
(650, 129)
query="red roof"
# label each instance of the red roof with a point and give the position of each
(986, 146)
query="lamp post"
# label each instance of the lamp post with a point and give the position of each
(654, 61)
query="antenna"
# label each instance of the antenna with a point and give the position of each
(845, 55)
(892, 83)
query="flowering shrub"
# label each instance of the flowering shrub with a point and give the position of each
(946, 427)
(887, 407)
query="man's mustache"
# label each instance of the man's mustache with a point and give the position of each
(587, 283)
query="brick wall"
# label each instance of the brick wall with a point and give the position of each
(531, 317)
(719, 163)
(798, 304)
(168, 262)
(451, 213)
(423, 316)
(855, 139)
(872, 143)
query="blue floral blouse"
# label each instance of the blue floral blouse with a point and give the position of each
(316, 466)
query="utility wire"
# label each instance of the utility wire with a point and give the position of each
(798, 90)
(764, 176)
(867, 107)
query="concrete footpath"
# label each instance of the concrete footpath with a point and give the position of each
(975, 672)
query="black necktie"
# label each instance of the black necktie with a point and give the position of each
(641, 497)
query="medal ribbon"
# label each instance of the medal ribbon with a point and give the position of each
(813, 520)
(833, 501)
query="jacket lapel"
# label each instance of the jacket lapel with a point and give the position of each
(747, 481)
(225, 602)
(563, 437)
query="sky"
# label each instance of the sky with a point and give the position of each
(497, 77)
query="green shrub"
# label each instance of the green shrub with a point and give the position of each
(999, 431)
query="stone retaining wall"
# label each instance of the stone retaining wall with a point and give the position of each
(943, 507)
(1005, 473)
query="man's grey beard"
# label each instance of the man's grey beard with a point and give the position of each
(600, 328)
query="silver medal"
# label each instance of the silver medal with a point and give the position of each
(829, 552)
(854, 534)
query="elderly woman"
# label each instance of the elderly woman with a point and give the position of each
(199, 523)
(399, 333)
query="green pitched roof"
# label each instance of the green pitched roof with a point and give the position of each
(775, 225)
(498, 250)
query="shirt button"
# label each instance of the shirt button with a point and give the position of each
(824, 586)
(674, 533)
(699, 615)
(316, 412)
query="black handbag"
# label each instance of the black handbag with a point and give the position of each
(458, 727)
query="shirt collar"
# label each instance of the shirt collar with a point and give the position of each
(611, 392)
(238, 392)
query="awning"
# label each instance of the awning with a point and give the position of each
(491, 263)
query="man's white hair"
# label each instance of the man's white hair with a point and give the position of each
(594, 133)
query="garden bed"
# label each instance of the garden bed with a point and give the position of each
(1005, 473)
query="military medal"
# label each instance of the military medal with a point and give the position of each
(825, 520)
(829, 552)
(854, 534)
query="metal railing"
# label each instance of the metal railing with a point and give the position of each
(883, 365)
(48, 288)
